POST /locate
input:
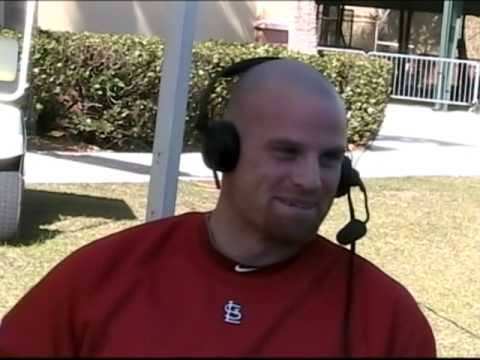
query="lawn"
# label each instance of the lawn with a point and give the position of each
(423, 231)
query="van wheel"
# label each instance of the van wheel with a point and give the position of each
(11, 189)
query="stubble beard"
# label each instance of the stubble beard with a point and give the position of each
(291, 233)
(300, 231)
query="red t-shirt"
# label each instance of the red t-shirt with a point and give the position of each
(159, 289)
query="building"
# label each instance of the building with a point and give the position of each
(438, 29)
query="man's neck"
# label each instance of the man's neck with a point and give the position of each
(243, 243)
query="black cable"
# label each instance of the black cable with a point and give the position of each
(365, 200)
(349, 299)
(217, 181)
(351, 210)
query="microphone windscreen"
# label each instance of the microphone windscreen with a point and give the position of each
(351, 232)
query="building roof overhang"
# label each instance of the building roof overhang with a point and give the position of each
(432, 6)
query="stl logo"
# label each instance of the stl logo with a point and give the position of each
(233, 313)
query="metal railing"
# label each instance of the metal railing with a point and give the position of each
(428, 78)
(422, 78)
(345, 50)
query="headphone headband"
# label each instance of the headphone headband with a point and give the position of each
(235, 69)
(244, 65)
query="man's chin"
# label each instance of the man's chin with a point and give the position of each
(294, 233)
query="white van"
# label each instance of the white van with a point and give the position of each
(14, 68)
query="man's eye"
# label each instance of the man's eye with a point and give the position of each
(286, 153)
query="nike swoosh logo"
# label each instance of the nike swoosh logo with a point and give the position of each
(240, 268)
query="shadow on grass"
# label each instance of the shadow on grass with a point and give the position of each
(107, 163)
(377, 145)
(41, 208)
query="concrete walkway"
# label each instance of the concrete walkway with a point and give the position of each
(414, 140)
(417, 141)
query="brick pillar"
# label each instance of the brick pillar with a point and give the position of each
(302, 32)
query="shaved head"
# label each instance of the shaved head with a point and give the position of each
(278, 77)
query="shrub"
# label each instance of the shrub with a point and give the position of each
(363, 83)
(103, 88)
(366, 93)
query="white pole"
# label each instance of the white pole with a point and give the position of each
(170, 121)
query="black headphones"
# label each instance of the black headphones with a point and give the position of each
(221, 149)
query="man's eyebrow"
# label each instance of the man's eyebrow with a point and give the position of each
(283, 142)
(337, 150)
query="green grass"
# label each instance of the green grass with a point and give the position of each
(425, 232)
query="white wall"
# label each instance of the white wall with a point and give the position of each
(228, 20)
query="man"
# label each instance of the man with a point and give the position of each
(250, 278)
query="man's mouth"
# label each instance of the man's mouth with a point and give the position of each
(297, 203)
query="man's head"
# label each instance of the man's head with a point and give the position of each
(292, 128)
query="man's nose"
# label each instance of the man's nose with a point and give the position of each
(307, 174)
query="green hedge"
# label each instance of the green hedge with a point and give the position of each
(103, 88)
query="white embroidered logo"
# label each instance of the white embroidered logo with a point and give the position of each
(241, 268)
(233, 313)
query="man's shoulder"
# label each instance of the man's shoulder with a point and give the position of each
(382, 302)
(153, 229)
(371, 280)
(381, 284)
(146, 234)
(126, 248)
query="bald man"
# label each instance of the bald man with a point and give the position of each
(251, 277)
(293, 139)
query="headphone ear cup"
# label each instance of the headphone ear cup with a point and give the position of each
(345, 177)
(349, 177)
(221, 146)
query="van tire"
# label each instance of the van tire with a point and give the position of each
(11, 190)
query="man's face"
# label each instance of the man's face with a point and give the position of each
(292, 146)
